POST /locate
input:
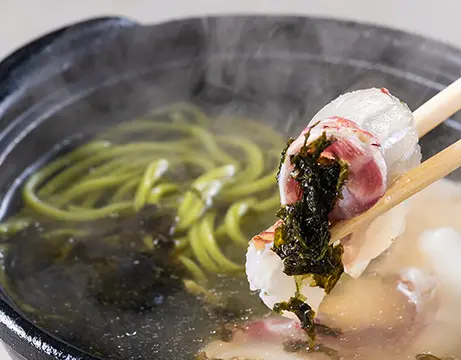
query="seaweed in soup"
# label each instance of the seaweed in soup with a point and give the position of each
(117, 266)
(108, 282)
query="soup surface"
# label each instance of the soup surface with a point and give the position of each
(132, 245)
(373, 319)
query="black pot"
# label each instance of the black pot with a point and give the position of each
(84, 78)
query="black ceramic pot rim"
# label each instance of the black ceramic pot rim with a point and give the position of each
(16, 331)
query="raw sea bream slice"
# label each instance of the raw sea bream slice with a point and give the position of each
(375, 135)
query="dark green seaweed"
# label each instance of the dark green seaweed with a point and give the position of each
(299, 346)
(118, 268)
(325, 330)
(302, 310)
(283, 155)
(106, 280)
(302, 240)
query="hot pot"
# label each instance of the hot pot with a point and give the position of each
(81, 79)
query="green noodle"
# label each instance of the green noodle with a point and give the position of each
(209, 242)
(206, 187)
(123, 190)
(254, 156)
(232, 220)
(230, 166)
(156, 194)
(85, 187)
(91, 199)
(193, 268)
(199, 250)
(12, 226)
(152, 174)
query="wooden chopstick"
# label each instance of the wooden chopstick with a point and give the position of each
(437, 109)
(421, 176)
(427, 116)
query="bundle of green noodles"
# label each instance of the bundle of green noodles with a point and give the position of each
(216, 174)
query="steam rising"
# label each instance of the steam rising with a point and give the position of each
(280, 69)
